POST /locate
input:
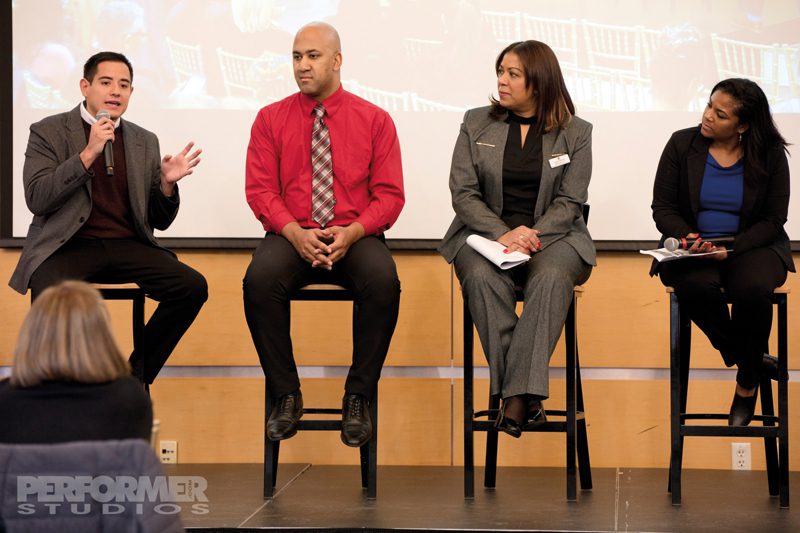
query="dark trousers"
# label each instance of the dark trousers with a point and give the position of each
(277, 270)
(179, 289)
(741, 334)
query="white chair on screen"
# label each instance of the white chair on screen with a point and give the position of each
(505, 26)
(560, 34)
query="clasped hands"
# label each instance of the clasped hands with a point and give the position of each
(521, 239)
(323, 247)
(699, 246)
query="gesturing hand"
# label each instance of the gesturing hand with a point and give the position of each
(174, 168)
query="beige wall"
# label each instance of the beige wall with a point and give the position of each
(623, 324)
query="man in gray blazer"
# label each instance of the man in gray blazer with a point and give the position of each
(94, 212)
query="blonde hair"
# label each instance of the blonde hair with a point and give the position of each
(67, 337)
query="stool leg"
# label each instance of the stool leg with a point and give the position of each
(271, 452)
(584, 466)
(783, 402)
(490, 471)
(770, 446)
(469, 448)
(569, 334)
(138, 335)
(679, 346)
(369, 454)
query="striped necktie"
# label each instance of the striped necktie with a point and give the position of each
(322, 199)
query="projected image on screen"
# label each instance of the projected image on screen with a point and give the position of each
(202, 68)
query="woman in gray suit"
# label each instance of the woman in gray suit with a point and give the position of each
(520, 173)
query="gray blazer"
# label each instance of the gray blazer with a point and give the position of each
(58, 190)
(476, 185)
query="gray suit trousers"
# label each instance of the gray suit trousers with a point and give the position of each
(519, 348)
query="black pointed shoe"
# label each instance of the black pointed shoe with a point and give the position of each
(285, 414)
(536, 416)
(356, 422)
(742, 410)
(769, 366)
(507, 425)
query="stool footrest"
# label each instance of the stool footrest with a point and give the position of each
(492, 414)
(729, 431)
(319, 425)
(720, 416)
(321, 411)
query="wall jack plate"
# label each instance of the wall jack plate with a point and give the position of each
(168, 451)
(740, 456)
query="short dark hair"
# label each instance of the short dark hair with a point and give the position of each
(90, 67)
(752, 109)
(554, 107)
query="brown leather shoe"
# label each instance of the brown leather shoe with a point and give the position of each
(285, 414)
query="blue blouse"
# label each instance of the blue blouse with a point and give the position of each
(721, 197)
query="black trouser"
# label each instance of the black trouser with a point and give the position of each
(179, 289)
(277, 270)
(741, 335)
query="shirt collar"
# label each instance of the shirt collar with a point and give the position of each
(331, 103)
(88, 118)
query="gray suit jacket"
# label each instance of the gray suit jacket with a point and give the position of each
(58, 190)
(476, 185)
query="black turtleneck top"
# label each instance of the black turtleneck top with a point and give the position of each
(522, 171)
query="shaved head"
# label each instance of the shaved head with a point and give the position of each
(324, 32)
(317, 59)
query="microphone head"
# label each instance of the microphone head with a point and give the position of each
(102, 114)
(671, 244)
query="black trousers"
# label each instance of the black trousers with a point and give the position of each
(741, 334)
(277, 270)
(180, 290)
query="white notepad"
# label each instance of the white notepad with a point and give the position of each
(493, 251)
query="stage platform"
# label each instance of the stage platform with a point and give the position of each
(329, 498)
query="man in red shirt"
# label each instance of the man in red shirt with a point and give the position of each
(325, 179)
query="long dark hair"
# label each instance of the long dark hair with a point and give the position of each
(553, 106)
(752, 109)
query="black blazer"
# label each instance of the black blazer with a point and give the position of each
(765, 205)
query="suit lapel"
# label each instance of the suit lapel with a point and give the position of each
(750, 193)
(552, 145)
(138, 187)
(695, 168)
(76, 138)
(491, 145)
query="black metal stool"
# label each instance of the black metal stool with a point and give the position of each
(680, 342)
(135, 294)
(573, 423)
(368, 452)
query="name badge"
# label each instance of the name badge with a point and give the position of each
(559, 160)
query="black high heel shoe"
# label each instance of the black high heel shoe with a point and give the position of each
(536, 415)
(507, 425)
(769, 366)
(742, 409)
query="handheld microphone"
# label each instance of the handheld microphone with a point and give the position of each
(108, 149)
(672, 244)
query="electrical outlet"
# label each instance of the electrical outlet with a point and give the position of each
(169, 451)
(740, 456)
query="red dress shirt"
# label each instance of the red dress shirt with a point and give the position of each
(368, 173)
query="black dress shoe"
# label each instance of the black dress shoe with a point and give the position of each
(507, 425)
(356, 422)
(536, 416)
(284, 416)
(742, 410)
(769, 366)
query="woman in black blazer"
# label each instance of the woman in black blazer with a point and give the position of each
(728, 177)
